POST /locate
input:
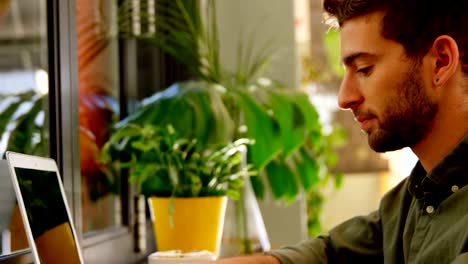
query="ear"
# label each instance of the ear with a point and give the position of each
(445, 55)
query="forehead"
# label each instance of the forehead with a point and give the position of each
(363, 35)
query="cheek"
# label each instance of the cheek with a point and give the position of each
(386, 81)
(378, 93)
(383, 98)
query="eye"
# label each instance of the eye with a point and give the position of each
(365, 70)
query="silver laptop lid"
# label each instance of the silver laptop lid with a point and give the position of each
(44, 209)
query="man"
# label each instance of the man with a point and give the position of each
(406, 83)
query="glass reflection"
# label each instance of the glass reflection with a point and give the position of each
(47, 216)
(98, 83)
(24, 110)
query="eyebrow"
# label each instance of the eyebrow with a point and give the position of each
(350, 59)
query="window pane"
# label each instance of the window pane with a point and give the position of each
(98, 76)
(24, 110)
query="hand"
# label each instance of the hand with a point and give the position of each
(243, 260)
(204, 262)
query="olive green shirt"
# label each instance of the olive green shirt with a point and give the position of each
(424, 219)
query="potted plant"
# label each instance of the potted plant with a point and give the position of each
(291, 152)
(186, 184)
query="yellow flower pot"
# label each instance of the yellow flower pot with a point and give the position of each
(196, 224)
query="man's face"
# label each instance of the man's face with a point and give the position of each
(385, 89)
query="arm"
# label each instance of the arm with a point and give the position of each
(245, 260)
(358, 240)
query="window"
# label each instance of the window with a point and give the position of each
(98, 95)
(65, 57)
(66, 75)
(24, 102)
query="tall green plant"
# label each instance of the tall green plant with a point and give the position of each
(291, 151)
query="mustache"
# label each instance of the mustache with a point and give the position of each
(361, 113)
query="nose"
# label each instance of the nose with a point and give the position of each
(349, 95)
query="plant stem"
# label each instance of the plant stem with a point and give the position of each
(246, 245)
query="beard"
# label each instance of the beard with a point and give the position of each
(407, 117)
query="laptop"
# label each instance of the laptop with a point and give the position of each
(44, 209)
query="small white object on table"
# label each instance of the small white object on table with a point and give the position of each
(176, 256)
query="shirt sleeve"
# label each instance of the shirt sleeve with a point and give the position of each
(306, 252)
(358, 240)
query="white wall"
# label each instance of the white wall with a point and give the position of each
(269, 22)
(359, 195)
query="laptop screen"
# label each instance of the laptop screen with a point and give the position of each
(47, 215)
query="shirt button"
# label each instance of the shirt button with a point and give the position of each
(430, 209)
(454, 188)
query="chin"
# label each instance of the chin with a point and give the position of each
(383, 142)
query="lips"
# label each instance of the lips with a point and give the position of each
(364, 121)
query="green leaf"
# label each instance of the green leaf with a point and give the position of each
(195, 109)
(316, 139)
(308, 169)
(24, 111)
(258, 187)
(234, 195)
(9, 107)
(156, 187)
(262, 128)
(338, 137)
(338, 180)
(309, 113)
(293, 133)
(23, 138)
(251, 66)
(282, 181)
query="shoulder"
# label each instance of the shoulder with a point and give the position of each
(399, 190)
(397, 199)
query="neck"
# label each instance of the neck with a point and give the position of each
(449, 128)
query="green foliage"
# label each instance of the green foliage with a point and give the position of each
(321, 165)
(164, 164)
(24, 129)
(179, 32)
(284, 125)
(315, 200)
(22, 125)
(332, 45)
(291, 153)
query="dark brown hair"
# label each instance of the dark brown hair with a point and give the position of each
(413, 23)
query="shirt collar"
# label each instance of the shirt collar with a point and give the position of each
(453, 167)
(447, 177)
